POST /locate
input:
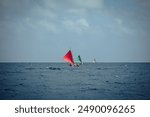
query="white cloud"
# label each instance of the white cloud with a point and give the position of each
(77, 7)
(44, 13)
(73, 3)
(8, 3)
(78, 26)
(78, 12)
(83, 22)
(88, 3)
(47, 25)
(41, 25)
(119, 27)
(119, 21)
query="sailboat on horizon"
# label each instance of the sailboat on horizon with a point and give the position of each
(69, 58)
(94, 61)
(79, 60)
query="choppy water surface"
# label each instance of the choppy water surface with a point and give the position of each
(60, 81)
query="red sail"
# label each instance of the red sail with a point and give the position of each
(68, 57)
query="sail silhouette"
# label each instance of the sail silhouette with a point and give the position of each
(79, 60)
(94, 61)
(69, 58)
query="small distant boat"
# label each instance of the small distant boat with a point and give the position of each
(79, 60)
(69, 58)
(94, 61)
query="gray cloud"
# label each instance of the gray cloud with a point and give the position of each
(30, 27)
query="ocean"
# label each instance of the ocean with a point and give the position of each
(59, 81)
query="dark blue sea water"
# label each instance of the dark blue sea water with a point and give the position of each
(60, 81)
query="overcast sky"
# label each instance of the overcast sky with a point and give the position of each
(44, 30)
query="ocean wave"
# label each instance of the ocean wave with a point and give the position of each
(54, 68)
(84, 89)
(9, 90)
(30, 68)
(124, 83)
(7, 72)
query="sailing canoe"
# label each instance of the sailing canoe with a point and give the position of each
(69, 58)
